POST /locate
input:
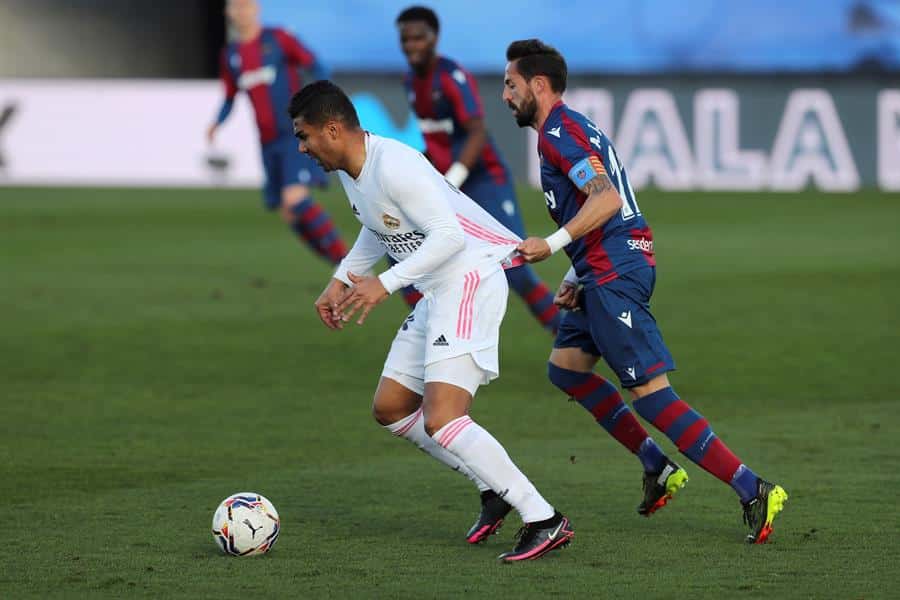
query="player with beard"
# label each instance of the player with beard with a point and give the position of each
(610, 245)
(445, 98)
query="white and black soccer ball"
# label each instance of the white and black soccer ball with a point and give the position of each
(245, 524)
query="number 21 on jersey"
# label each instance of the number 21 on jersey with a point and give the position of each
(620, 180)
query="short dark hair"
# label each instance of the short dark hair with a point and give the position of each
(322, 101)
(420, 13)
(537, 58)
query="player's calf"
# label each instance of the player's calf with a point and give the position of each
(602, 400)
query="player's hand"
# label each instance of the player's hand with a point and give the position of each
(211, 132)
(567, 296)
(366, 293)
(534, 249)
(328, 301)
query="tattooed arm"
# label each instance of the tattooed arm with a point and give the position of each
(603, 202)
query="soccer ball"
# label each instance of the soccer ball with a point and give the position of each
(245, 524)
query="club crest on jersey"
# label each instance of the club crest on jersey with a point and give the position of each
(390, 222)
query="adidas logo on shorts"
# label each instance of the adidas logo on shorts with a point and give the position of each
(441, 341)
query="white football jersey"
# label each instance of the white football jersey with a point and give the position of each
(410, 212)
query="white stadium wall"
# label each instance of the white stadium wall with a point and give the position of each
(751, 135)
(123, 133)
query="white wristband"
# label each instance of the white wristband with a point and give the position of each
(390, 281)
(558, 239)
(457, 174)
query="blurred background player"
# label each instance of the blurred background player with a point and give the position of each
(445, 99)
(611, 249)
(266, 62)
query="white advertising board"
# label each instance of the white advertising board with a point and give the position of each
(123, 132)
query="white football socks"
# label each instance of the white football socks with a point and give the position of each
(487, 458)
(412, 427)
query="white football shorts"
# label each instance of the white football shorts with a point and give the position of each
(457, 318)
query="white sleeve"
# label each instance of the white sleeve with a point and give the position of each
(418, 194)
(366, 251)
(570, 276)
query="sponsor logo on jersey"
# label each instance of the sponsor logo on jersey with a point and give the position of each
(400, 243)
(441, 341)
(642, 244)
(390, 222)
(261, 76)
(436, 125)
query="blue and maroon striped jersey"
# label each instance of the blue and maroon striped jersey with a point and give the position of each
(443, 100)
(268, 69)
(572, 149)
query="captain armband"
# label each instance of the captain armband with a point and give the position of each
(586, 169)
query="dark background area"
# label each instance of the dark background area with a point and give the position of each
(133, 38)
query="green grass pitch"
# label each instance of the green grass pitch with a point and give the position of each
(159, 351)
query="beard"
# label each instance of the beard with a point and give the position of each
(526, 112)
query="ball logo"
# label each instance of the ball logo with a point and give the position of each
(390, 222)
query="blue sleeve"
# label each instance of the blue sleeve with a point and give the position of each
(225, 110)
(580, 151)
(462, 92)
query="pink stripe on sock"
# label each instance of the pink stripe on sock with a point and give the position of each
(415, 419)
(457, 431)
(449, 435)
(451, 431)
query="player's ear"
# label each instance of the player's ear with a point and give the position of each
(332, 128)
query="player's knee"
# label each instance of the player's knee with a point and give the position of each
(433, 424)
(287, 214)
(384, 415)
(560, 377)
(659, 382)
(292, 199)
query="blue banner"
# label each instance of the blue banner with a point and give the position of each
(633, 36)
